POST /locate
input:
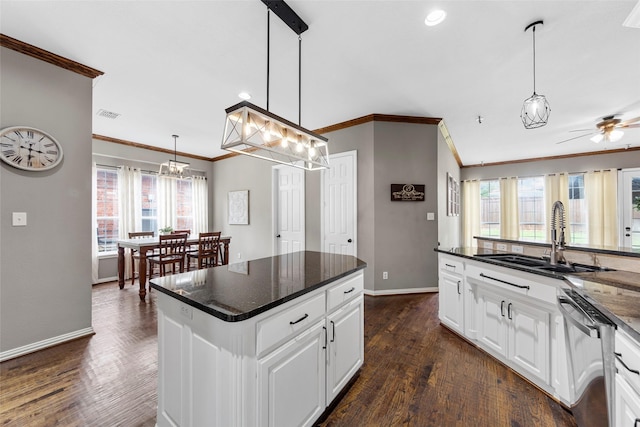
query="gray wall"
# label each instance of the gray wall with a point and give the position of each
(630, 159)
(449, 227)
(45, 267)
(244, 173)
(113, 154)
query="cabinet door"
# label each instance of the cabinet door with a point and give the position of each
(451, 304)
(292, 380)
(492, 326)
(529, 338)
(627, 404)
(345, 330)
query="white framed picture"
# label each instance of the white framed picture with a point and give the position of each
(238, 207)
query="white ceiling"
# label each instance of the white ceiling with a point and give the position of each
(172, 67)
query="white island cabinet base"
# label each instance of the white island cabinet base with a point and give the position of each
(268, 370)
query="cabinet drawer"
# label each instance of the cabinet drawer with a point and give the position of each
(287, 323)
(628, 352)
(451, 265)
(521, 283)
(345, 291)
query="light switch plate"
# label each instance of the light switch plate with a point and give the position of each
(431, 216)
(501, 246)
(487, 245)
(517, 249)
(19, 219)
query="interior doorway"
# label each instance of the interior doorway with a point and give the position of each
(629, 208)
(339, 204)
(289, 214)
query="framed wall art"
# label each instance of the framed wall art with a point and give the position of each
(238, 207)
(453, 196)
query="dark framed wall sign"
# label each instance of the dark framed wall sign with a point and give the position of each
(453, 196)
(407, 192)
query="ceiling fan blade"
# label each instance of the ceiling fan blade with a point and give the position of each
(576, 137)
(632, 126)
(626, 123)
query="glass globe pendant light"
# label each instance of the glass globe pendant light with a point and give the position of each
(535, 110)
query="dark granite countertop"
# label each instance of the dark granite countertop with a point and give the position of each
(237, 292)
(615, 293)
(620, 251)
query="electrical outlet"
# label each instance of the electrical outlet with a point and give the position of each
(186, 311)
(517, 249)
(385, 275)
(488, 245)
(501, 247)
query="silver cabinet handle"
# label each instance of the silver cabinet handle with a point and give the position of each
(590, 330)
(505, 282)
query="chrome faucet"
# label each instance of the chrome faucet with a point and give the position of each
(557, 245)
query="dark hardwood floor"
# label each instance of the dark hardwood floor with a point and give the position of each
(416, 373)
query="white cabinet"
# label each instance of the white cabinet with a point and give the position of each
(627, 381)
(291, 381)
(514, 329)
(345, 331)
(280, 368)
(451, 290)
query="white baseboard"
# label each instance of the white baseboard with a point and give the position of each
(49, 342)
(400, 291)
(107, 279)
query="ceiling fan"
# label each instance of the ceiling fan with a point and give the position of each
(607, 130)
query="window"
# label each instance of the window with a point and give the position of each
(531, 208)
(107, 209)
(149, 203)
(184, 211)
(490, 208)
(577, 218)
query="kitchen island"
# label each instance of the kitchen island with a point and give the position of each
(267, 342)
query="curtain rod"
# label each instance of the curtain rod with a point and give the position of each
(141, 170)
(543, 175)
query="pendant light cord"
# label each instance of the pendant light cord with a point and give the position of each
(534, 59)
(268, 51)
(299, 80)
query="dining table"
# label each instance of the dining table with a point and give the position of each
(148, 245)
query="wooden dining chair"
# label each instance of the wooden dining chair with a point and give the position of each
(208, 249)
(171, 251)
(190, 248)
(134, 253)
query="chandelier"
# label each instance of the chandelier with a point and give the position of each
(174, 168)
(535, 110)
(256, 132)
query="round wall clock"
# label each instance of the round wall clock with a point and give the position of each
(29, 149)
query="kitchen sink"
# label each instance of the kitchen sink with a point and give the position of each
(541, 263)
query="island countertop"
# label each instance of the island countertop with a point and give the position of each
(237, 292)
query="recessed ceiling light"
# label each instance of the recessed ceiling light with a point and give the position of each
(435, 17)
(244, 95)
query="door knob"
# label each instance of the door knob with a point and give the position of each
(349, 241)
(278, 236)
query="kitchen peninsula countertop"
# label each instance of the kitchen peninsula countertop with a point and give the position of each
(615, 293)
(237, 292)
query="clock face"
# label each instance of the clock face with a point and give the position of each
(29, 149)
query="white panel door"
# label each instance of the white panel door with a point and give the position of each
(289, 215)
(339, 202)
(630, 216)
(529, 338)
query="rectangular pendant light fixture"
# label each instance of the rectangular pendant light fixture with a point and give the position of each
(256, 132)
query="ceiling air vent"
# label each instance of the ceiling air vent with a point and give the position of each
(108, 114)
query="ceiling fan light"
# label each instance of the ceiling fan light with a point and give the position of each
(434, 18)
(615, 135)
(597, 138)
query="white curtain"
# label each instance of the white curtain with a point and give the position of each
(94, 224)
(167, 202)
(556, 187)
(200, 198)
(509, 209)
(601, 190)
(470, 212)
(129, 207)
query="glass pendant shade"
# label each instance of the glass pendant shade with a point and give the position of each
(253, 131)
(174, 168)
(610, 136)
(535, 111)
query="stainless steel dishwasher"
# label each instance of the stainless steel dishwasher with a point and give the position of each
(590, 344)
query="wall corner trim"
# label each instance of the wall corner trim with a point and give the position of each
(46, 56)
